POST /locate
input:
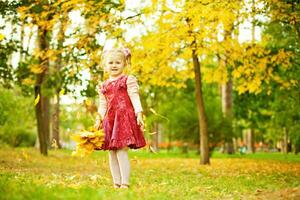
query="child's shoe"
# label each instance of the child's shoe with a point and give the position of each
(125, 186)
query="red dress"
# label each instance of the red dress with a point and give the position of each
(119, 123)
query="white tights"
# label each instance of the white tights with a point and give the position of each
(119, 166)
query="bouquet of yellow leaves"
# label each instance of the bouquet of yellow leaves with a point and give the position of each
(88, 141)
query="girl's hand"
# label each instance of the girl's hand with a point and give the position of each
(97, 125)
(140, 121)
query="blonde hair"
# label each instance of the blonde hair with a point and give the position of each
(125, 54)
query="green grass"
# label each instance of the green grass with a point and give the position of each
(25, 174)
(176, 153)
(291, 157)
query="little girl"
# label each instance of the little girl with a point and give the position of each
(121, 114)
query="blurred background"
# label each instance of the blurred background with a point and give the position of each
(223, 72)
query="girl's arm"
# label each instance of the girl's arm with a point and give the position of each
(101, 108)
(102, 105)
(133, 93)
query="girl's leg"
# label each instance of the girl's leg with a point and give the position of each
(114, 168)
(124, 164)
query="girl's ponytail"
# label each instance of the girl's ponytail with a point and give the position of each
(127, 54)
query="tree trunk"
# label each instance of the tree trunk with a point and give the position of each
(46, 120)
(42, 107)
(55, 121)
(285, 141)
(204, 149)
(226, 97)
(227, 115)
(297, 146)
(155, 137)
(22, 41)
(250, 140)
(40, 121)
(58, 66)
(170, 137)
(253, 10)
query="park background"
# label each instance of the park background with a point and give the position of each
(219, 85)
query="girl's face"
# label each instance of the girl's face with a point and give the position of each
(115, 64)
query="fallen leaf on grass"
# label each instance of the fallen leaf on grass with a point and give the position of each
(152, 149)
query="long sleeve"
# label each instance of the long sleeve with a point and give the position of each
(133, 93)
(102, 103)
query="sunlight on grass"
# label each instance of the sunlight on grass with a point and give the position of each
(25, 174)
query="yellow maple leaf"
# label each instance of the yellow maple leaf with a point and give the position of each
(152, 149)
(236, 73)
(153, 111)
(37, 99)
(153, 133)
(62, 91)
(1, 36)
(37, 69)
(54, 144)
(28, 81)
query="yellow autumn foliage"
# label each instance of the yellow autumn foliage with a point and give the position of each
(210, 29)
(258, 66)
(164, 55)
(28, 81)
(37, 69)
(58, 36)
(87, 141)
